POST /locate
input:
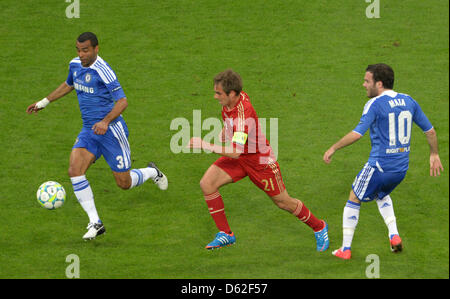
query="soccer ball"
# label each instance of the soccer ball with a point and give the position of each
(51, 195)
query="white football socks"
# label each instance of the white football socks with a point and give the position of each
(349, 221)
(85, 197)
(386, 209)
(139, 176)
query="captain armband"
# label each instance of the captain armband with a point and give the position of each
(240, 138)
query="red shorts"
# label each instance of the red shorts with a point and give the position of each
(267, 177)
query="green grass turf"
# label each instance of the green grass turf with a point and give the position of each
(301, 61)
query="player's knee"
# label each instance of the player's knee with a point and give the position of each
(206, 186)
(203, 184)
(123, 183)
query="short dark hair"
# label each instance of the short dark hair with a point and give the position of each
(382, 72)
(88, 36)
(230, 80)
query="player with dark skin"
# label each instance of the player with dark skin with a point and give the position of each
(104, 133)
(80, 158)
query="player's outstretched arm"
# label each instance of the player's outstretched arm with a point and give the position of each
(343, 142)
(227, 151)
(59, 92)
(435, 162)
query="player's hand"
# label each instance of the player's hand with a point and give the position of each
(327, 156)
(32, 108)
(35, 107)
(100, 128)
(435, 165)
(195, 142)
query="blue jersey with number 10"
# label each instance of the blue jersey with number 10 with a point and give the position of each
(97, 89)
(389, 117)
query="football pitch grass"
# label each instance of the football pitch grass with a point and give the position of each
(302, 63)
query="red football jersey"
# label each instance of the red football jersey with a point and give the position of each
(242, 128)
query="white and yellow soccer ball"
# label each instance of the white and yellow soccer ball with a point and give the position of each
(51, 195)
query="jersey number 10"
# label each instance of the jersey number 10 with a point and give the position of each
(404, 118)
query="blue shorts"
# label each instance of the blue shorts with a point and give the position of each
(113, 145)
(372, 183)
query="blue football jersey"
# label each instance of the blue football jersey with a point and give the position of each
(389, 117)
(97, 89)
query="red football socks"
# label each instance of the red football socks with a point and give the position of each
(217, 211)
(307, 217)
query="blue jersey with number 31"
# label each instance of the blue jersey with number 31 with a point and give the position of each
(389, 117)
(97, 89)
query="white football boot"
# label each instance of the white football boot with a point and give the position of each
(160, 180)
(94, 230)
